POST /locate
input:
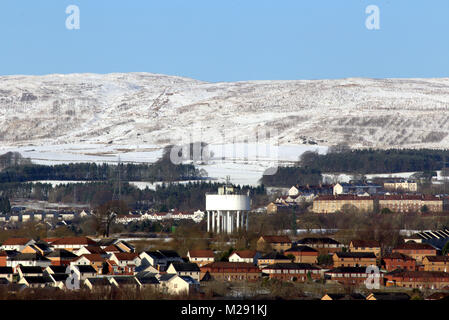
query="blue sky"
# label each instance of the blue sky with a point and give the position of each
(232, 40)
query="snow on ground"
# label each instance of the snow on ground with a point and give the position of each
(244, 163)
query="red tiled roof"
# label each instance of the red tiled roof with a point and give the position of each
(246, 254)
(74, 241)
(201, 253)
(397, 255)
(365, 243)
(414, 246)
(277, 239)
(126, 255)
(16, 241)
(112, 248)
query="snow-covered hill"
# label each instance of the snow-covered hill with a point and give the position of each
(151, 109)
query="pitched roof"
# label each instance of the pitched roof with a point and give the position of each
(30, 269)
(277, 239)
(95, 249)
(365, 243)
(438, 258)
(186, 267)
(229, 265)
(201, 253)
(94, 257)
(169, 253)
(112, 248)
(6, 270)
(291, 266)
(38, 279)
(274, 256)
(16, 241)
(356, 255)
(397, 255)
(61, 253)
(74, 241)
(126, 256)
(300, 249)
(29, 257)
(86, 269)
(414, 246)
(323, 240)
(347, 270)
(58, 269)
(245, 254)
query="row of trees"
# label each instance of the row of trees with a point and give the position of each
(374, 160)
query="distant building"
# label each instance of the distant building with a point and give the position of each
(356, 188)
(401, 185)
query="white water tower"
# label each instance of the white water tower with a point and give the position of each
(227, 211)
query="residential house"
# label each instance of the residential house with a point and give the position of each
(418, 279)
(303, 254)
(276, 243)
(84, 271)
(154, 258)
(72, 243)
(292, 271)
(97, 283)
(436, 263)
(61, 257)
(37, 281)
(365, 246)
(95, 260)
(185, 269)
(17, 244)
(416, 250)
(127, 262)
(396, 260)
(356, 187)
(29, 271)
(343, 202)
(91, 250)
(231, 271)
(350, 275)
(125, 282)
(174, 284)
(28, 259)
(272, 258)
(323, 245)
(353, 259)
(201, 257)
(248, 256)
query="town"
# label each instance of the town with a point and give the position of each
(223, 251)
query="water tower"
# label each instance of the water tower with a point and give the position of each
(227, 211)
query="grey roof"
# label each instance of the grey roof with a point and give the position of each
(148, 280)
(30, 269)
(274, 255)
(86, 269)
(6, 270)
(61, 253)
(166, 277)
(60, 276)
(155, 254)
(186, 267)
(300, 249)
(29, 257)
(170, 253)
(323, 240)
(38, 279)
(58, 269)
(99, 281)
(189, 280)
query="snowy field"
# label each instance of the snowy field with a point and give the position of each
(244, 163)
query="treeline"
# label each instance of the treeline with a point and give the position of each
(375, 161)
(162, 170)
(187, 196)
